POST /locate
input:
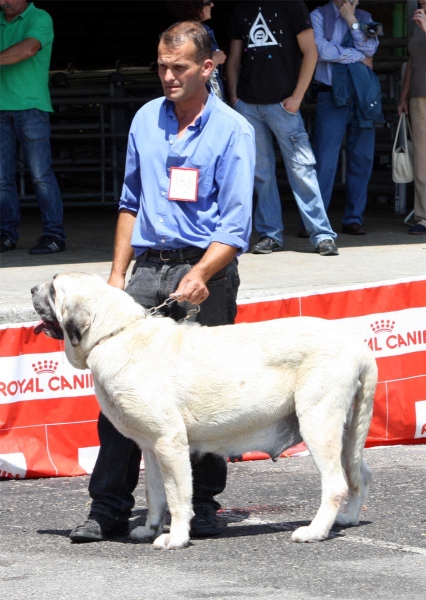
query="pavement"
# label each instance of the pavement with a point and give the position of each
(386, 253)
(383, 558)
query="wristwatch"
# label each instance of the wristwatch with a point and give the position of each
(355, 26)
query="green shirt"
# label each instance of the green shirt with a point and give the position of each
(25, 84)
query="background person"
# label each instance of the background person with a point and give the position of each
(198, 10)
(185, 243)
(414, 88)
(26, 36)
(270, 66)
(332, 23)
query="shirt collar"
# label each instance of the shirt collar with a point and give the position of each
(204, 117)
(23, 15)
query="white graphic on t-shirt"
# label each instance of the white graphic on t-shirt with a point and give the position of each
(260, 34)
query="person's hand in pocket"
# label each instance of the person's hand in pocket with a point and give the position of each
(291, 104)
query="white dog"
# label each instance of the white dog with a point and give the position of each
(177, 389)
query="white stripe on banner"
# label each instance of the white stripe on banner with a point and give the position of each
(391, 333)
(41, 376)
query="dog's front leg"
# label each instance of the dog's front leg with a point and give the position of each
(156, 501)
(172, 454)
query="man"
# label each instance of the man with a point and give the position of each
(331, 26)
(274, 45)
(185, 212)
(26, 36)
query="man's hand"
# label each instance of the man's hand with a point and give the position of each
(403, 106)
(191, 289)
(116, 280)
(291, 104)
(347, 11)
(420, 19)
(233, 100)
(368, 60)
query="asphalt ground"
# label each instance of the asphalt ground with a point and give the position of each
(254, 559)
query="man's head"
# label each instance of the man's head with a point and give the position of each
(184, 60)
(13, 8)
(339, 3)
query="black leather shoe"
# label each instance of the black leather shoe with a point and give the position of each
(327, 248)
(266, 245)
(98, 528)
(353, 229)
(205, 522)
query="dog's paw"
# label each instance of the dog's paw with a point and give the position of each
(307, 534)
(169, 542)
(143, 534)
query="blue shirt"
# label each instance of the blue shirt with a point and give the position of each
(330, 52)
(221, 145)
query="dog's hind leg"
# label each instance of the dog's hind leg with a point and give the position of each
(156, 501)
(322, 433)
(172, 453)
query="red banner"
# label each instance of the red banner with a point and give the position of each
(48, 412)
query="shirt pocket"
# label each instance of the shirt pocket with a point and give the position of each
(205, 175)
(302, 149)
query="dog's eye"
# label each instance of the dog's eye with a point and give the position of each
(52, 292)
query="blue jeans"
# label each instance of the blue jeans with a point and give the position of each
(116, 472)
(299, 161)
(32, 129)
(332, 123)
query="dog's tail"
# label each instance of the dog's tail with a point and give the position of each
(357, 472)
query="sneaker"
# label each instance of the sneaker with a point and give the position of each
(205, 522)
(98, 528)
(266, 245)
(417, 229)
(48, 244)
(327, 248)
(6, 243)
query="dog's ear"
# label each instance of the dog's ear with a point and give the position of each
(76, 323)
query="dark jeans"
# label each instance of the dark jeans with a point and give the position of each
(332, 123)
(116, 472)
(32, 129)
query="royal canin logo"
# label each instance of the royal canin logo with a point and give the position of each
(384, 336)
(46, 379)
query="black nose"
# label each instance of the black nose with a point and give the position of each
(34, 289)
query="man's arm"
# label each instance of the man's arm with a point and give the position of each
(403, 101)
(19, 52)
(306, 41)
(193, 286)
(329, 51)
(233, 69)
(123, 251)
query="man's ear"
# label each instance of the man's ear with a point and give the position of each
(76, 324)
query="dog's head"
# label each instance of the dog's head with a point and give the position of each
(81, 308)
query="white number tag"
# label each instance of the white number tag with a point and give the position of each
(183, 184)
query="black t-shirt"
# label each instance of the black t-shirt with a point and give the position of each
(271, 58)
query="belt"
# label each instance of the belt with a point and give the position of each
(322, 87)
(177, 256)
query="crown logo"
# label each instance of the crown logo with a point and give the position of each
(45, 366)
(383, 325)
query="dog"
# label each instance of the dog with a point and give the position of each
(182, 389)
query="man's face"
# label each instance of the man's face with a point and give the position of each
(181, 77)
(12, 8)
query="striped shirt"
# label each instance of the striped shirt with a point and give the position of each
(332, 52)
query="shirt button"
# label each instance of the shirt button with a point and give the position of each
(171, 141)
(163, 241)
(163, 193)
(161, 220)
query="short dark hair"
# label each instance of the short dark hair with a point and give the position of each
(189, 31)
